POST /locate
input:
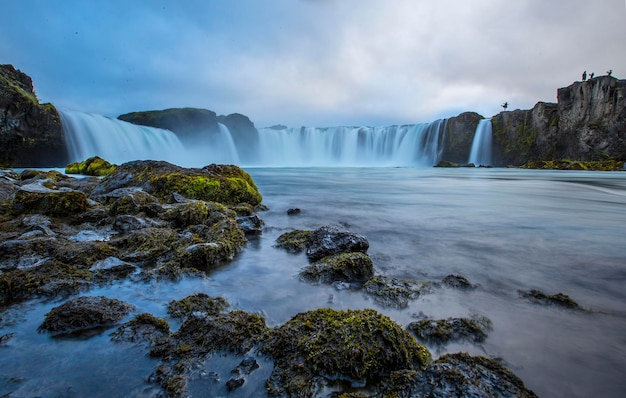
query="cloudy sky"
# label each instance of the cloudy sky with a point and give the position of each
(311, 62)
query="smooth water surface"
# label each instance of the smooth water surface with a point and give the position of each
(504, 229)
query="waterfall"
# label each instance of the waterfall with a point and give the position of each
(407, 145)
(393, 146)
(90, 135)
(480, 154)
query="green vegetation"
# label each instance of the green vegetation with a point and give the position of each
(294, 241)
(94, 166)
(442, 331)
(199, 302)
(354, 345)
(595, 165)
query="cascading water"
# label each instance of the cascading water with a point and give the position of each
(480, 155)
(118, 141)
(408, 145)
(90, 135)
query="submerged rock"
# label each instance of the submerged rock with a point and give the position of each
(329, 240)
(559, 299)
(343, 267)
(457, 282)
(143, 328)
(85, 313)
(442, 331)
(324, 345)
(394, 292)
(457, 375)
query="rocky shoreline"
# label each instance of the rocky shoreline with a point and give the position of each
(63, 236)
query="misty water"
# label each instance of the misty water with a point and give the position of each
(504, 229)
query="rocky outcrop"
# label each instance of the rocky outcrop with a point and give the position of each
(192, 125)
(459, 134)
(189, 124)
(244, 134)
(30, 133)
(587, 124)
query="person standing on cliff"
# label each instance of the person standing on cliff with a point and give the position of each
(584, 75)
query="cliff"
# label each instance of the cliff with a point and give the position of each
(30, 133)
(192, 124)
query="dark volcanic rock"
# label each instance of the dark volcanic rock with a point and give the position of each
(559, 299)
(245, 135)
(355, 346)
(329, 240)
(458, 138)
(189, 124)
(295, 241)
(394, 292)
(457, 375)
(85, 313)
(343, 267)
(143, 328)
(30, 133)
(442, 331)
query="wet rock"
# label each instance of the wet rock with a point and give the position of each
(214, 183)
(442, 331)
(447, 164)
(293, 212)
(36, 198)
(559, 299)
(127, 223)
(343, 267)
(235, 383)
(94, 166)
(329, 240)
(246, 366)
(143, 328)
(457, 282)
(128, 201)
(5, 337)
(251, 225)
(394, 292)
(324, 345)
(199, 302)
(190, 213)
(457, 375)
(294, 241)
(85, 313)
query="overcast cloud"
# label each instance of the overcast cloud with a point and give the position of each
(311, 62)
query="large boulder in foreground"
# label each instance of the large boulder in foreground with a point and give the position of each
(30, 133)
(226, 184)
(324, 345)
(85, 313)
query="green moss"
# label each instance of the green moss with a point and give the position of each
(442, 331)
(559, 299)
(447, 164)
(149, 319)
(344, 267)
(595, 165)
(294, 241)
(352, 345)
(94, 166)
(199, 302)
(53, 203)
(394, 292)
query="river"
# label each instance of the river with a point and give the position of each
(504, 229)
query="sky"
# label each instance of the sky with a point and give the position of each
(311, 62)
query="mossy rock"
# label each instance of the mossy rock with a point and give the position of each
(559, 299)
(94, 166)
(60, 203)
(595, 165)
(214, 245)
(354, 267)
(85, 313)
(294, 241)
(197, 212)
(457, 375)
(143, 327)
(226, 184)
(447, 164)
(442, 331)
(199, 302)
(394, 292)
(357, 346)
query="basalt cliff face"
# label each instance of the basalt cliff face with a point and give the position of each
(587, 123)
(30, 133)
